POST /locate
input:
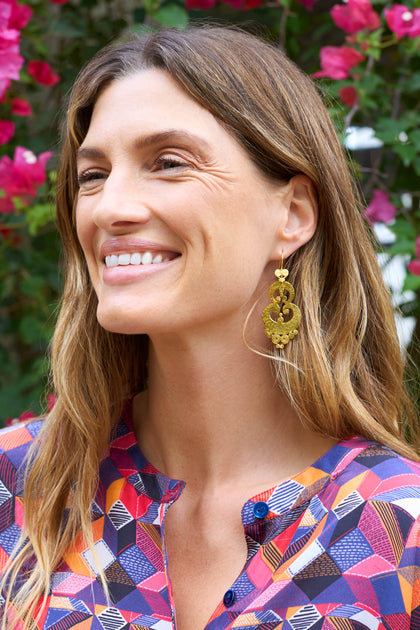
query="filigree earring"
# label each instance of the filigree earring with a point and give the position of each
(287, 315)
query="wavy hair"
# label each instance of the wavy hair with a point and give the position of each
(350, 376)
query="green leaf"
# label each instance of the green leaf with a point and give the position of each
(151, 6)
(172, 15)
(415, 137)
(412, 84)
(406, 151)
(39, 215)
(31, 330)
(370, 83)
(373, 51)
(411, 282)
(401, 246)
(41, 48)
(403, 229)
(388, 129)
(412, 45)
(32, 285)
(65, 28)
(52, 176)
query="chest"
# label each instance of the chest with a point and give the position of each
(303, 571)
(205, 557)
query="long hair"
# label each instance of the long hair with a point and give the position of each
(350, 376)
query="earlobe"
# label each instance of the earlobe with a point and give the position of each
(298, 217)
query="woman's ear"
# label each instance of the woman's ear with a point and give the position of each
(298, 216)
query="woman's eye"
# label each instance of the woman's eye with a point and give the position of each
(166, 163)
(89, 176)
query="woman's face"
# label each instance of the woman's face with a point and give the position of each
(162, 182)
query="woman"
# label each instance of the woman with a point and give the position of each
(198, 168)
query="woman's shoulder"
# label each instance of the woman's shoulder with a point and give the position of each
(15, 442)
(359, 456)
(19, 434)
(376, 456)
(368, 472)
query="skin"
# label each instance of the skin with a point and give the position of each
(164, 175)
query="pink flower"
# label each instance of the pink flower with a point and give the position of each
(5, 13)
(21, 107)
(13, 15)
(7, 130)
(348, 95)
(355, 16)
(380, 208)
(10, 422)
(414, 267)
(10, 60)
(26, 415)
(20, 16)
(6, 205)
(9, 38)
(23, 176)
(403, 21)
(42, 72)
(336, 61)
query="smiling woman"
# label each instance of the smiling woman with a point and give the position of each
(195, 163)
(179, 193)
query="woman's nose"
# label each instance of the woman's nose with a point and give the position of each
(122, 203)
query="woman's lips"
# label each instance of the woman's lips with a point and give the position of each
(128, 259)
(138, 258)
(125, 274)
(129, 245)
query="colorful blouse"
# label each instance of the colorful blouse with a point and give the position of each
(334, 548)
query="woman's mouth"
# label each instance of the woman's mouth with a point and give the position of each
(138, 258)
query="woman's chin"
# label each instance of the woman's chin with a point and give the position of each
(117, 323)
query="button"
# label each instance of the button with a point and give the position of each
(229, 597)
(260, 509)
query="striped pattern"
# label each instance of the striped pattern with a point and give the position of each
(338, 549)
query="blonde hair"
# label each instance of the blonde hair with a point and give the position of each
(350, 376)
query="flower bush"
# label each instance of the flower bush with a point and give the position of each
(364, 55)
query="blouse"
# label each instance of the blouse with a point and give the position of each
(336, 547)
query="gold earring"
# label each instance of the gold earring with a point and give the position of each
(287, 315)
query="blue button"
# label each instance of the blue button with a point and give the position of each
(260, 509)
(229, 597)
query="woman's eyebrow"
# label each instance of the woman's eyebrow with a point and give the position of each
(200, 145)
(89, 152)
(176, 135)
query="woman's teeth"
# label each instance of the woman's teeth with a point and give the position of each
(134, 259)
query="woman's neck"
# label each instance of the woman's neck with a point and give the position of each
(212, 413)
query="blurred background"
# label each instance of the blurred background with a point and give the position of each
(365, 58)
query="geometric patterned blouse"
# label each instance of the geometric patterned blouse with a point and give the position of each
(334, 548)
